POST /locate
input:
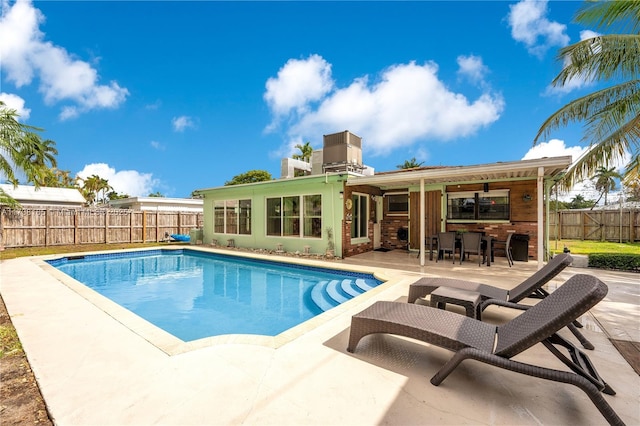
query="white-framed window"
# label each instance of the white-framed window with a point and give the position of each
(491, 205)
(232, 217)
(295, 216)
(359, 224)
(397, 203)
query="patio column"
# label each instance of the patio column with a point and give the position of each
(540, 248)
(422, 218)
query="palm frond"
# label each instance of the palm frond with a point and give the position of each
(600, 58)
(8, 201)
(620, 110)
(609, 151)
(583, 108)
(623, 15)
(632, 172)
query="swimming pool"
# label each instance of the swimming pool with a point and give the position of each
(192, 294)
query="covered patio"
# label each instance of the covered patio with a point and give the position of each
(526, 184)
(93, 369)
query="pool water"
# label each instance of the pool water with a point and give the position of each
(193, 295)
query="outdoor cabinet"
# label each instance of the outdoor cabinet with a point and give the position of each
(520, 247)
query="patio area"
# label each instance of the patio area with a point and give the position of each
(93, 369)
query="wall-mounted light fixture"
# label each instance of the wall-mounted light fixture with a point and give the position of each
(526, 198)
(341, 194)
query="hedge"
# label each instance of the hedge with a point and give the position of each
(624, 261)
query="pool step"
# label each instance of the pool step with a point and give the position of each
(362, 284)
(329, 294)
(334, 293)
(321, 298)
(347, 287)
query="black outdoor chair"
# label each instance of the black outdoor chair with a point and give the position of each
(447, 244)
(471, 244)
(506, 245)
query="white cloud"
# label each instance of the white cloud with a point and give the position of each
(408, 103)
(181, 123)
(26, 55)
(157, 145)
(131, 182)
(472, 68)
(557, 148)
(16, 102)
(529, 25)
(299, 82)
(554, 148)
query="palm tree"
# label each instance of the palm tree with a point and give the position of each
(17, 140)
(632, 191)
(611, 115)
(410, 164)
(305, 152)
(37, 158)
(579, 202)
(604, 181)
(64, 178)
(103, 188)
(92, 186)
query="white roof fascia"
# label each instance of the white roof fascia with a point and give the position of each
(48, 195)
(463, 171)
(157, 200)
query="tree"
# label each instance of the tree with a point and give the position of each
(22, 149)
(156, 194)
(604, 181)
(113, 195)
(611, 115)
(36, 157)
(57, 178)
(410, 164)
(579, 202)
(632, 190)
(93, 186)
(305, 152)
(251, 176)
(558, 205)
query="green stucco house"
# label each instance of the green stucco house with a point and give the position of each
(336, 202)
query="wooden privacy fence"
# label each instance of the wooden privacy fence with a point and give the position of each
(46, 226)
(600, 225)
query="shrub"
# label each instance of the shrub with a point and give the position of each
(621, 261)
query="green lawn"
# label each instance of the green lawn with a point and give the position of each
(12, 253)
(588, 246)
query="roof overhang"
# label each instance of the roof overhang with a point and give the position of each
(197, 202)
(30, 195)
(550, 167)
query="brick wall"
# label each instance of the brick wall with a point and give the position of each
(389, 232)
(349, 248)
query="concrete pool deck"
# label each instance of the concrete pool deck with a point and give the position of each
(94, 369)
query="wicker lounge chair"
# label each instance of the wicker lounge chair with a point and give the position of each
(474, 339)
(531, 287)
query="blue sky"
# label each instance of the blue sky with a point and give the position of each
(177, 96)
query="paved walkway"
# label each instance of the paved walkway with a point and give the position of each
(93, 369)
